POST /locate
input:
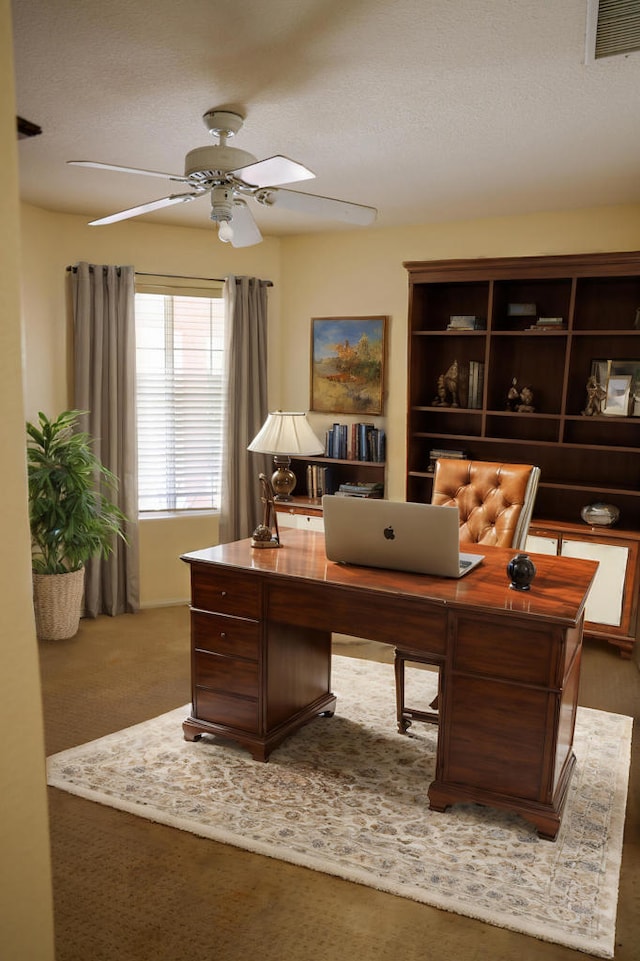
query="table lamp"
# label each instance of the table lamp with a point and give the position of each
(285, 434)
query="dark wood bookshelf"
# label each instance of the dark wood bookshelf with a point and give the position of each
(583, 459)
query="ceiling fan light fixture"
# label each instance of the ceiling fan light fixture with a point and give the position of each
(221, 204)
(225, 232)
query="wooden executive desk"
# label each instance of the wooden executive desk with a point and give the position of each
(261, 626)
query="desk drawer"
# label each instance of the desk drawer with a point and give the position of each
(220, 634)
(511, 650)
(224, 592)
(226, 674)
(223, 709)
(411, 625)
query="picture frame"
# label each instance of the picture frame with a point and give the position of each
(348, 365)
(620, 380)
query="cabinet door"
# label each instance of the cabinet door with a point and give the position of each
(539, 544)
(604, 604)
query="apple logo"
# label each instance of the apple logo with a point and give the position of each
(389, 533)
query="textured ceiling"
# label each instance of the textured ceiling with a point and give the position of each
(429, 110)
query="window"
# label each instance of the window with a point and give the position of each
(180, 395)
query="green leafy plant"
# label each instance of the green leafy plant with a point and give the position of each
(71, 518)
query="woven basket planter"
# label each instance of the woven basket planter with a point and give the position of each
(57, 602)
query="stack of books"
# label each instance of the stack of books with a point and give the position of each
(465, 322)
(360, 490)
(437, 452)
(548, 323)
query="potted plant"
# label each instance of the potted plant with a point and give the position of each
(71, 519)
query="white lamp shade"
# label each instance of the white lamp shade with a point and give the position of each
(286, 432)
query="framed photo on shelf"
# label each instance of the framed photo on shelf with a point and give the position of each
(348, 364)
(620, 381)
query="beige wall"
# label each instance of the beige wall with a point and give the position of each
(26, 914)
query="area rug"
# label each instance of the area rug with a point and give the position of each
(347, 796)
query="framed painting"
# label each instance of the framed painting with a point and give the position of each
(348, 364)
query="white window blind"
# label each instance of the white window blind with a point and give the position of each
(180, 394)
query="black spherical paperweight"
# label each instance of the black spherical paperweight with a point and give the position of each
(522, 571)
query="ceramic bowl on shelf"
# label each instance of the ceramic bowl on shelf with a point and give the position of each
(600, 515)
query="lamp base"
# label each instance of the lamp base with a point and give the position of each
(283, 480)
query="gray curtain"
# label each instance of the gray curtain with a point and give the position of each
(104, 385)
(246, 405)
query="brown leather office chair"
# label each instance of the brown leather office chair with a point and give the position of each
(495, 502)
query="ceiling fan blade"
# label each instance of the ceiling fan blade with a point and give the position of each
(314, 204)
(242, 231)
(127, 170)
(145, 208)
(272, 171)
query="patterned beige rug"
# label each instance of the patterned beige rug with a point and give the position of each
(347, 795)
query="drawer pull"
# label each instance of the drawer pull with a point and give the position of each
(223, 593)
(223, 633)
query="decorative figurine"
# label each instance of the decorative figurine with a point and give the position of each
(451, 383)
(522, 571)
(600, 515)
(513, 396)
(595, 395)
(440, 400)
(447, 389)
(526, 401)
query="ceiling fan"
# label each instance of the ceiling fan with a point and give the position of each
(231, 176)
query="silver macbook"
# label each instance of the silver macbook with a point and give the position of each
(418, 538)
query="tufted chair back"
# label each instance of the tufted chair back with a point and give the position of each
(495, 501)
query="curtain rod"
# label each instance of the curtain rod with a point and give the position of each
(218, 280)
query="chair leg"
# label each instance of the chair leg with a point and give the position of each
(404, 723)
(405, 715)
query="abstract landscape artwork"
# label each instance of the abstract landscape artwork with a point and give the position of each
(347, 364)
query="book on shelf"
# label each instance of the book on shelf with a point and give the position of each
(476, 384)
(317, 479)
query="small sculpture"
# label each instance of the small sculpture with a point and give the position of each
(600, 515)
(513, 396)
(526, 401)
(521, 571)
(447, 388)
(595, 395)
(440, 400)
(451, 383)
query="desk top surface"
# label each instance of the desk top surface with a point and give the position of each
(558, 591)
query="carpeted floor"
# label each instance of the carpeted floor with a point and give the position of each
(130, 889)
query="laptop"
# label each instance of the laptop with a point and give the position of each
(417, 538)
